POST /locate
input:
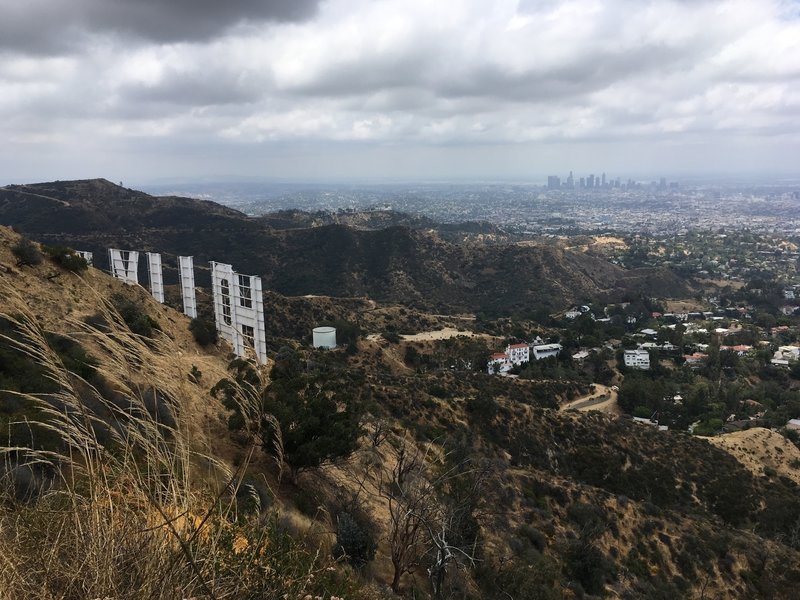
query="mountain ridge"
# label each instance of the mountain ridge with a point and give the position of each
(396, 264)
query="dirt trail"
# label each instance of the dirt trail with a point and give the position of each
(442, 334)
(18, 191)
(603, 399)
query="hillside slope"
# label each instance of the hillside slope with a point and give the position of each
(567, 505)
(761, 450)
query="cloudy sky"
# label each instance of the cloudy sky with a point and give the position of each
(140, 90)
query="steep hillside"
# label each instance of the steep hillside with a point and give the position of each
(63, 303)
(396, 264)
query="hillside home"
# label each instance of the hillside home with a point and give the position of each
(498, 363)
(546, 351)
(580, 356)
(740, 349)
(637, 359)
(518, 353)
(696, 359)
(651, 422)
(790, 353)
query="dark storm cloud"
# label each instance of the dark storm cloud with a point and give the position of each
(176, 20)
(47, 27)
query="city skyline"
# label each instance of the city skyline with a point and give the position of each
(338, 90)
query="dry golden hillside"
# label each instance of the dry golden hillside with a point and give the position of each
(760, 450)
(61, 302)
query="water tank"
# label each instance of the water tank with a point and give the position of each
(324, 337)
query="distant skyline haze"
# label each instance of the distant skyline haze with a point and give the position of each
(370, 90)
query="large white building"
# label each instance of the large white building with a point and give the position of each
(518, 353)
(637, 359)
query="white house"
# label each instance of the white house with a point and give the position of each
(518, 353)
(637, 359)
(580, 356)
(790, 353)
(498, 363)
(546, 351)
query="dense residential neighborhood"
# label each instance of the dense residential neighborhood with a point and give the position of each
(708, 365)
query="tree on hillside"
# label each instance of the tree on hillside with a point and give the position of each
(307, 417)
(27, 253)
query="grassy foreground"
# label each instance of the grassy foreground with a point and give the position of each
(121, 506)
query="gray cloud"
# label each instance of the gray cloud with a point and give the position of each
(351, 77)
(55, 26)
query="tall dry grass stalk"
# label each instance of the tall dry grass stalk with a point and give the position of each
(129, 509)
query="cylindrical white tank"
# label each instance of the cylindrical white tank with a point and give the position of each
(324, 337)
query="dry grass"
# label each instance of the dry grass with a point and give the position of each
(125, 507)
(759, 449)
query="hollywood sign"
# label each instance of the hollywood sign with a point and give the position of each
(238, 301)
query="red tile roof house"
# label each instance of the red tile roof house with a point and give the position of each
(518, 353)
(498, 363)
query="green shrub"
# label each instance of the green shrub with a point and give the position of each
(586, 564)
(134, 315)
(534, 579)
(482, 408)
(391, 336)
(438, 391)
(354, 541)
(204, 331)
(66, 258)
(536, 538)
(26, 253)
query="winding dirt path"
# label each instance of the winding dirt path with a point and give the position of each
(603, 399)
